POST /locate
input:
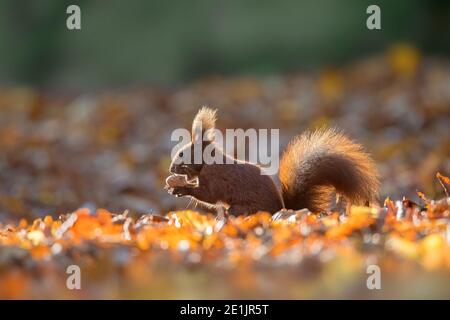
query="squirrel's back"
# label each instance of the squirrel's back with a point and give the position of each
(318, 162)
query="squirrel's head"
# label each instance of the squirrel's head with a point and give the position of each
(202, 135)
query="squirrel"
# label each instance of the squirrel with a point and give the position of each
(314, 164)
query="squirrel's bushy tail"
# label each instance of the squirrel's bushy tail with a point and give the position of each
(316, 163)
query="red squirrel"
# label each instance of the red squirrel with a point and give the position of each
(313, 165)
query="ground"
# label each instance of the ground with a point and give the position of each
(63, 157)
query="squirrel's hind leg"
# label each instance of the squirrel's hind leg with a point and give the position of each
(238, 210)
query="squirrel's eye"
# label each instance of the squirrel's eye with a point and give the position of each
(180, 154)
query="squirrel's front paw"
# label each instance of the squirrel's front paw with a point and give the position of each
(179, 191)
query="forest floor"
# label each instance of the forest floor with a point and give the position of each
(63, 157)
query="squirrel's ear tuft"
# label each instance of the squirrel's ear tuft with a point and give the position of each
(204, 121)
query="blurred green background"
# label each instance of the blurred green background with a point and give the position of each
(126, 43)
